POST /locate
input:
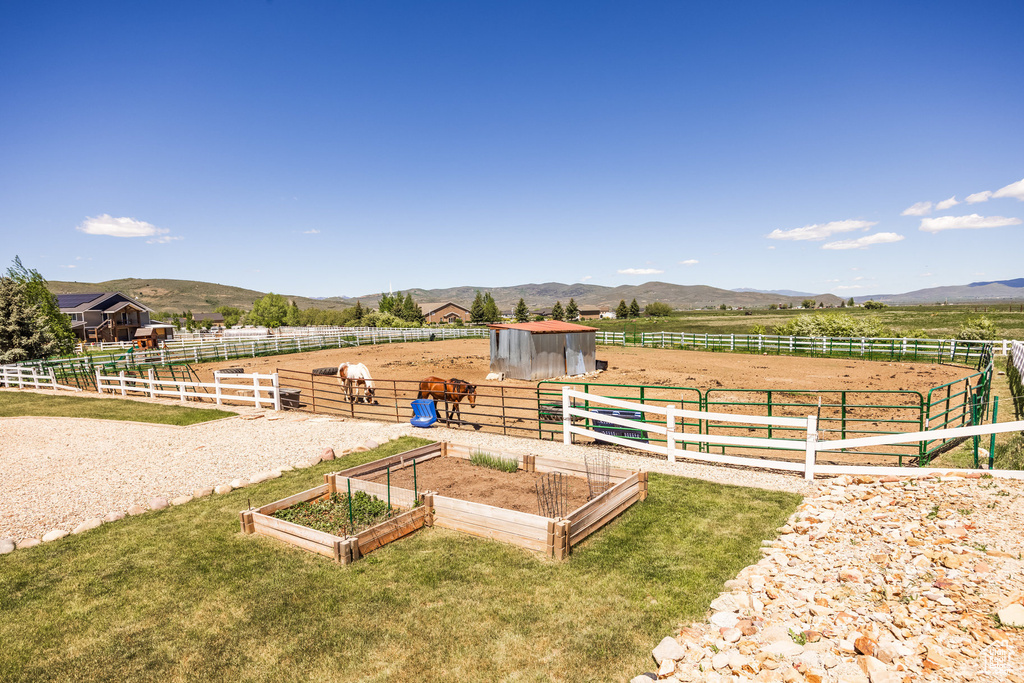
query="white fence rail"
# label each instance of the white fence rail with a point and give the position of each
(939, 349)
(809, 445)
(250, 388)
(1017, 356)
(22, 377)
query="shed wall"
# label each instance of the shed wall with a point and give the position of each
(523, 355)
(511, 353)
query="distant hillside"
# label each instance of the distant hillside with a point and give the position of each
(976, 292)
(545, 294)
(184, 295)
(783, 292)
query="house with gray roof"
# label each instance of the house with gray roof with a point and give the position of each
(109, 316)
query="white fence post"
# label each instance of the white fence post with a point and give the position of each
(566, 418)
(53, 379)
(277, 391)
(152, 383)
(99, 381)
(670, 438)
(256, 390)
(216, 381)
(812, 444)
(123, 392)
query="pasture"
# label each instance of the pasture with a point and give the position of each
(938, 322)
(181, 594)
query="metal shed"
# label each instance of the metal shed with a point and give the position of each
(542, 350)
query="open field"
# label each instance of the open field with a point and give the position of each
(938, 322)
(182, 595)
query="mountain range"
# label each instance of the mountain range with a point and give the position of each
(204, 297)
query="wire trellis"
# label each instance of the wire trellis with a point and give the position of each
(552, 494)
(598, 474)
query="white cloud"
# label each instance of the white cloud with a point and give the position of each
(926, 275)
(859, 278)
(820, 231)
(919, 209)
(1015, 190)
(978, 197)
(163, 239)
(640, 271)
(312, 231)
(946, 204)
(972, 222)
(849, 287)
(105, 224)
(689, 262)
(771, 247)
(72, 266)
(586, 277)
(864, 242)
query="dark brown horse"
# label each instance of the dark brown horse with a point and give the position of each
(451, 392)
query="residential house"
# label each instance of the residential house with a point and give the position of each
(444, 312)
(110, 316)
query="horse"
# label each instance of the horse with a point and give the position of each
(451, 392)
(355, 375)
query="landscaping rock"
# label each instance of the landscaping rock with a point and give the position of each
(7, 545)
(371, 444)
(644, 678)
(87, 525)
(136, 510)
(113, 516)
(158, 503)
(1012, 615)
(28, 543)
(203, 492)
(301, 464)
(239, 483)
(667, 668)
(54, 535)
(668, 648)
(181, 500)
(222, 489)
(284, 468)
(328, 454)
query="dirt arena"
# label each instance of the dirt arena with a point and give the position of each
(469, 359)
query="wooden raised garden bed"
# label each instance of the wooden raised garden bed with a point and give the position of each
(479, 501)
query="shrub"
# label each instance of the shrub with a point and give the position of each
(977, 329)
(658, 309)
(875, 305)
(831, 325)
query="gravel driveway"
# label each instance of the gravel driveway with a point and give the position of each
(59, 472)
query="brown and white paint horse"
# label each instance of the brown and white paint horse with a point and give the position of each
(354, 377)
(452, 392)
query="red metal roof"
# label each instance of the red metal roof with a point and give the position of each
(545, 327)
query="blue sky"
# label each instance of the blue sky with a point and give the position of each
(332, 148)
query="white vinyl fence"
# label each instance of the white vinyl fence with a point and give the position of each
(1017, 356)
(262, 391)
(809, 445)
(23, 377)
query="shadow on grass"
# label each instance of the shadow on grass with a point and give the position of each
(180, 594)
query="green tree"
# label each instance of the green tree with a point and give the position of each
(634, 309)
(723, 307)
(842, 304)
(875, 305)
(773, 307)
(491, 312)
(622, 311)
(557, 313)
(231, 314)
(850, 302)
(391, 303)
(572, 311)
(292, 318)
(807, 303)
(476, 309)
(38, 294)
(657, 309)
(411, 312)
(358, 312)
(522, 313)
(269, 311)
(24, 329)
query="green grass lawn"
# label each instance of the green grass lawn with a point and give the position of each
(17, 403)
(181, 595)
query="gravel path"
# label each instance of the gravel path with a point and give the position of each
(59, 472)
